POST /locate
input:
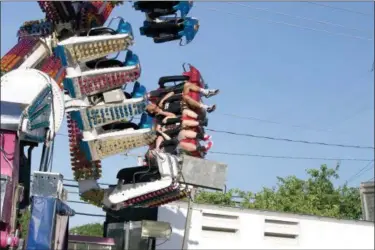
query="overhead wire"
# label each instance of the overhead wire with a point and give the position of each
(289, 140)
(290, 157)
(363, 170)
(274, 122)
(341, 8)
(297, 17)
(257, 155)
(291, 25)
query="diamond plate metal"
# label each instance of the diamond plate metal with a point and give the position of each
(47, 185)
(203, 173)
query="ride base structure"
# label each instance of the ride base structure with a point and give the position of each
(78, 67)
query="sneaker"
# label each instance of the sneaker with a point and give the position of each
(211, 109)
(211, 92)
(208, 146)
(207, 137)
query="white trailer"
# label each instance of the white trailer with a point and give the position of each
(215, 227)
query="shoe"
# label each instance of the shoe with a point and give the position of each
(211, 92)
(211, 109)
(208, 146)
(207, 137)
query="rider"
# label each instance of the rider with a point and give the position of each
(172, 145)
(157, 95)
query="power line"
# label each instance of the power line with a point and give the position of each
(87, 214)
(343, 9)
(298, 17)
(259, 155)
(274, 122)
(290, 140)
(289, 157)
(292, 25)
(363, 170)
(100, 183)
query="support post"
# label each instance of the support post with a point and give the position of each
(188, 220)
(49, 213)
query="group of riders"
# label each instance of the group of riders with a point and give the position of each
(180, 117)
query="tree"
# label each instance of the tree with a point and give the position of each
(92, 229)
(316, 196)
(24, 222)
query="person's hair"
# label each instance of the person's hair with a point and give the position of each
(150, 109)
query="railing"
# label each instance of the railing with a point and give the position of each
(79, 242)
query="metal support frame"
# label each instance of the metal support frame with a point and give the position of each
(48, 227)
(189, 213)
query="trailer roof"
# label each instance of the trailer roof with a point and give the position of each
(272, 213)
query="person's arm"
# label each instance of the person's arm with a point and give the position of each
(171, 120)
(166, 114)
(165, 136)
(164, 98)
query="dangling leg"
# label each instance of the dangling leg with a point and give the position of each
(190, 147)
(206, 92)
(159, 140)
(201, 117)
(196, 105)
(189, 134)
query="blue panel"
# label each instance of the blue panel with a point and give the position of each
(64, 209)
(41, 224)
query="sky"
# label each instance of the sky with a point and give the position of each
(305, 78)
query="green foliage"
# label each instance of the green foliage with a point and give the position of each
(24, 222)
(316, 196)
(92, 229)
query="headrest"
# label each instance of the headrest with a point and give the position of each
(146, 121)
(139, 90)
(125, 28)
(131, 59)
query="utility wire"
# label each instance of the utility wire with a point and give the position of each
(87, 214)
(343, 9)
(297, 17)
(278, 139)
(100, 183)
(291, 25)
(274, 122)
(290, 140)
(289, 157)
(363, 170)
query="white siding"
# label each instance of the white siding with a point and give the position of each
(214, 227)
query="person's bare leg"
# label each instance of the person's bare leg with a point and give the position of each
(159, 140)
(190, 147)
(189, 123)
(192, 87)
(187, 134)
(194, 104)
(190, 113)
